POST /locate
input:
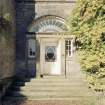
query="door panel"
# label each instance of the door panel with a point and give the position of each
(52, 58)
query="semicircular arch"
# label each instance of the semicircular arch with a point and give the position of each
(48, 24)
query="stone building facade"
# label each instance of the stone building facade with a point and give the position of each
(43, 45)
(7, 44)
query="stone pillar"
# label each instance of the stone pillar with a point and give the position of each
(63, 59)
(72, 47)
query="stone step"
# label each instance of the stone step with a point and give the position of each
(54, 84)
(19, 83)
(49, 81)
(23, 80)
(49, 88)
(57, 79)
(43, 83)
(36, 88)
(51, 78)
(72, 100)
(51, 93)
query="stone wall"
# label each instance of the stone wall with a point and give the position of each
(7, 44)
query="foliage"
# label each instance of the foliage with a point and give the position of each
(88, 24)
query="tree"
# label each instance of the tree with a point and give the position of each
(88, 24)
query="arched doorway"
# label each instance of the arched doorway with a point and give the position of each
(45, 47)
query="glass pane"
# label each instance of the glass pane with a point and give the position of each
(31, 48)
(50, 53)
(68, 47)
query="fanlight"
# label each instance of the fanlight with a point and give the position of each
(50, 53)
(49, 25)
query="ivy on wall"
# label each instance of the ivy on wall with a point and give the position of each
(88, 24)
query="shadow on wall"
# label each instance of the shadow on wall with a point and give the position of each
(25, 14)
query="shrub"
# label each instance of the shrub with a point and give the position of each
(88, 24)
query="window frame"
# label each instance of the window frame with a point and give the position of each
(68, 48)
(28, 48)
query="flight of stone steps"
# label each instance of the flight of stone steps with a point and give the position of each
(72, 88)
(52, 88)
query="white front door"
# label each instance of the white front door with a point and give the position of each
(51, 58)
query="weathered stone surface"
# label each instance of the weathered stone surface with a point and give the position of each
(7, 43)
(7, 38)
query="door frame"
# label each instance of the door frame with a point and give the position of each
(40, 37)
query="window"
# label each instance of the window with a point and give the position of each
(68, 47)
(50, 54)
(31, 48)
(49, 24)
